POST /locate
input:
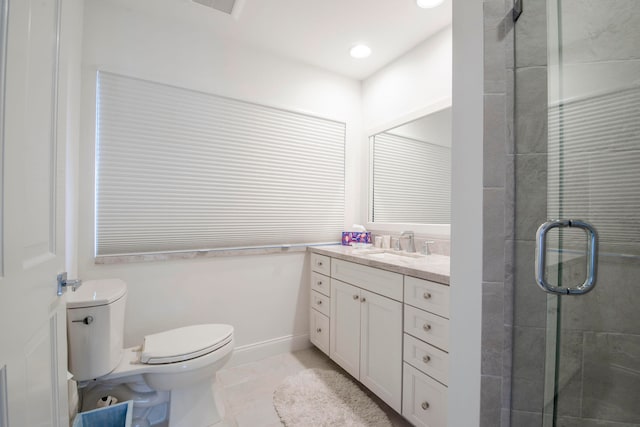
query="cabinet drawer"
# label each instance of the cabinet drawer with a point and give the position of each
(319, 331)
(427, 327)
(428, 359)
(429, 296)
(424, 401)
(375, 280)
(321, 263)
(320, 283)
(320, 302)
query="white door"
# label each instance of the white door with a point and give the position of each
(32, 317)
(345, 327)
(381, 347)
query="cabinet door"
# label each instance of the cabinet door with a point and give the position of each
(427, 327)
(321, 263)
(381, 347)
(345, 326)
(319, 333)
(320, 302)
(320, 283)
(425, 400)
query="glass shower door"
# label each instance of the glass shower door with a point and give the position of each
(592, 363)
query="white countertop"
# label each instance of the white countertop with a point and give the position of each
(429, 267)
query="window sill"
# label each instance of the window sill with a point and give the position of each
(202, 254)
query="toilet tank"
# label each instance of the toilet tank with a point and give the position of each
(95, 327)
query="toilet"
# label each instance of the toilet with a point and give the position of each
(169, 376)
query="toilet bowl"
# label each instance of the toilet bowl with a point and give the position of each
(171, 371)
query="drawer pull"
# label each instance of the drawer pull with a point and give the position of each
(425, 405)
(319, 330)
(319, 302)
(426, 358)
(319, 282)
(356, 297)
(426, 295)
(426, 327)
(319, 263)
(363, 299)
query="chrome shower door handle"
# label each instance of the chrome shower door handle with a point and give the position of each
(541, 256)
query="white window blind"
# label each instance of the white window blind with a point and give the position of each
(593, 166)
(182, 170)
(411, 181)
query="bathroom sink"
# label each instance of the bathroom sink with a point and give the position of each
(369, 251)
(388, 254)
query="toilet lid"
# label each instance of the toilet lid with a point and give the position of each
(177, 345)
(94, 293)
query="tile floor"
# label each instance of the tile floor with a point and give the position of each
(247, 389)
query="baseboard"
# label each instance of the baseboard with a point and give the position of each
(261, 350)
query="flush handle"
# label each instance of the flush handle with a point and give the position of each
(87, 320)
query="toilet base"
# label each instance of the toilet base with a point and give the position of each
(149, 408)
(195, 406)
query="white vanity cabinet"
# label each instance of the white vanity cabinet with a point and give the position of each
(388, 330)
(366, 327)
(426, 358)
(320, 301)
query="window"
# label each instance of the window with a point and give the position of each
(180, 170)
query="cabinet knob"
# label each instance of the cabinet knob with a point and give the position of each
(319, 302)
(427, 295)
(425, 405)
(363, 299)
(319, 282)
(426, 327)
(426, 358)
(319, 263)
(319, 330)
(356, 297)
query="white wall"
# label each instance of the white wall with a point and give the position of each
(414, 81)
(264, 297)
(434, 128)
(466, 221)
(70, 75)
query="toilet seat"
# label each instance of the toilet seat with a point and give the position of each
(181, 344)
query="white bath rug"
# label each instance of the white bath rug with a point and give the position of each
(318, 397)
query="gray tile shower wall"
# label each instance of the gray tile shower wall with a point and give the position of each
(530, 210)
(497, 215)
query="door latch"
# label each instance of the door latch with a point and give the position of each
(63, 282)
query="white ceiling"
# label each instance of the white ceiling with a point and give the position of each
(316, 32)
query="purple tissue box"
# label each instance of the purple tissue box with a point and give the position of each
(349, 237)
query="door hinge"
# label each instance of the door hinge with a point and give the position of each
(517, 9)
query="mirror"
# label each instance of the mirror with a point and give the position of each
(410, 172)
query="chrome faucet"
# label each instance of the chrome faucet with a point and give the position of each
(411, 247)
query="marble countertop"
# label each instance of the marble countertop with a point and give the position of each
(429, 267)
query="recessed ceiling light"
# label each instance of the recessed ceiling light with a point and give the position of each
(428, 4)
(360, 51)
